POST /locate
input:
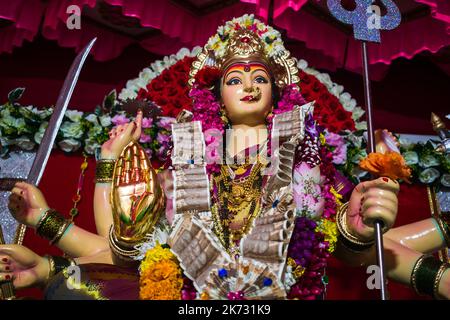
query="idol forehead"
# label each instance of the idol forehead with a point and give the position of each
(246, 66)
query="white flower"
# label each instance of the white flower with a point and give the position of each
(448, 116)
(361, 125)
(429, 175)
(357, 113)
(337, 90)
(72, 130)
(147, 74)
(74, 115)
(90, 146)
(45, 113)
(92, 118)
(24, 143)
(349, 105)
(127, 94)
(405, 143)
(411, 157)
(69, 145)
(8, 122)
(196, 51)
(326, 80)
(345, 97)
(105, 120)
(40, 133)
(94, 131)
(355, 140)
(428, 161)
(183, 52)
(302, 64)
(158, 66)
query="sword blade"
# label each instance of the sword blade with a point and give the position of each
(45, 148)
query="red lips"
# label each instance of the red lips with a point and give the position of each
(247, 98)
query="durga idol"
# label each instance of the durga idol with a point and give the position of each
(247, 208)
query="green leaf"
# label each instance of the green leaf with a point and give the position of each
(98, 111)
(15, 94)
(109, 101)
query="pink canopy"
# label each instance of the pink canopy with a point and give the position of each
(163, 27)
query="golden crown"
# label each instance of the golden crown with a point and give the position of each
(247, 39)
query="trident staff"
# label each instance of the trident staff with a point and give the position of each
(367, 23)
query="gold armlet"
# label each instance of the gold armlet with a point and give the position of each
(104, 170)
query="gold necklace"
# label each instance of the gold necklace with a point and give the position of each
(237, 201)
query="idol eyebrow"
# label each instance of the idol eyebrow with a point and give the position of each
(259, 69)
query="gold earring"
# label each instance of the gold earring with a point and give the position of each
(224, 117)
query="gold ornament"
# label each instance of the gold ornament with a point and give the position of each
(246, 45)
(238, 203)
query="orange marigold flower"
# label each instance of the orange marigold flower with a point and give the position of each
(161, 281)
(390, 164)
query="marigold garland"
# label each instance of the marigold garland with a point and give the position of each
(161, 276)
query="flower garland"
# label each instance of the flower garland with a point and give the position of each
(24, 127)
(160, 275)
(315, 232)
(170, 89)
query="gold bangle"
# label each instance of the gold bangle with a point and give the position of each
(350, 241)
(61, 231)
(51, 225)
(414, 273)
(438, 278)
(104, 170)
(41, 219)
(125, 254)
(51, 264)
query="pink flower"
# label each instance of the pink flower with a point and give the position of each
(163, 139)
(340, 150)
(213, 135)
(119, 119)
(307, 190)
(144, 138)
(147, 122)
(213, 154)
(166, 122)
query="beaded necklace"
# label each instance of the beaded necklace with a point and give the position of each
(236, 201)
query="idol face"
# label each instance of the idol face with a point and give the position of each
(246, 91)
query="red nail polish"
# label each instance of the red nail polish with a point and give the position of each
(7, 268)
(7, 277)
(5, 260)
(385, 179)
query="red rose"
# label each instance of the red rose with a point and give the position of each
(207, 76)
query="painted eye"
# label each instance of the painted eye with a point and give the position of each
(233, 81)
(261, 79)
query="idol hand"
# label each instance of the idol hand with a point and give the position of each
(21, 265)
(370, 201)
(121, 136)
(27, 203)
